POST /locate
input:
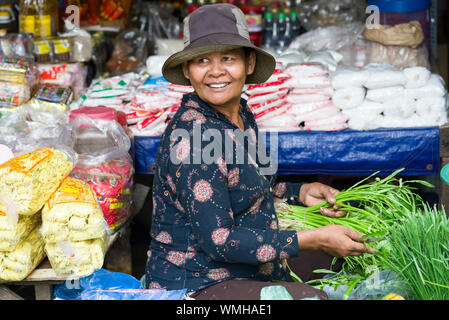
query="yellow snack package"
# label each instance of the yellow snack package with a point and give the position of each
(18, 264)
(76, 258)
(28, 181)
(12, 233)
(72, 213)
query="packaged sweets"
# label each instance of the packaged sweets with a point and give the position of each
(18, 264)
(28, 181)
(53, 49)
(72, 213)
(111, 181)
(18, 78)
(49, 97)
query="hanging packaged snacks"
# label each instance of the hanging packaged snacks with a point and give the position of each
(28, 181)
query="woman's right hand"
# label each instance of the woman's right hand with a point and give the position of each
(338, 241)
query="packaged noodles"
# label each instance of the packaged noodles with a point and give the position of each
(76, 258)
(18, 264)
(11, 233)
(72, 213)
(28, 181)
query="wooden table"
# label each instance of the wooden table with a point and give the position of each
(44, 277)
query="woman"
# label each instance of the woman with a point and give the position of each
(214, 228)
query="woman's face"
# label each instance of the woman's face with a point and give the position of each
(218, 78)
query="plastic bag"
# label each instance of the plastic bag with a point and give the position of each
(17, 45)
(72, 213)
(321, 13)
(375, 287)
(105, 165)
(18, 264)
(28, 181)
(398, 56)
(129, 53)
(76, 258)
(162, 25)
(13, 232)
(19, 76)
(81, 49)
(27, 128)
(107, 285)
(328, 38)
(408, 34)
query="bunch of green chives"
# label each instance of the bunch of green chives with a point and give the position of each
(372, 208)
(419, 252)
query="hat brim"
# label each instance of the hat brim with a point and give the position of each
(172, 68)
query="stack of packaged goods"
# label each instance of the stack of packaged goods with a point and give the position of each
(74, 230)
(380, 95)
(104, 161)
(18, 79)
(267, 101)
(115, 92)
(26, 183)
(310, 98)
(154, 104)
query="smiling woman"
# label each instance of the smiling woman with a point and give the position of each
(214, 228)
(218, 79)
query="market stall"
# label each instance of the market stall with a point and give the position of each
(83, 104)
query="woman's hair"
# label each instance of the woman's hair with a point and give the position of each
(247, 51)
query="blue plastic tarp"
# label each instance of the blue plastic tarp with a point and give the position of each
(348, 152)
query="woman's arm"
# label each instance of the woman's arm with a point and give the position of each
(336, 240)
(204, 197)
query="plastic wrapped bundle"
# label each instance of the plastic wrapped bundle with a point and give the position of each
(18, 264)
(12, 233)
(111, 181)
(76, 258)
(72, 213)
(27, 181)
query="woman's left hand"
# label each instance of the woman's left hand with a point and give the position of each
(313, 193)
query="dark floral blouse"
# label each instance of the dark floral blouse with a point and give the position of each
(214, 220)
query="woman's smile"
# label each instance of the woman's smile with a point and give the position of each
(218, 77)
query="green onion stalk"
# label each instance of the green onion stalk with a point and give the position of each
(372, 209)
(419, 252)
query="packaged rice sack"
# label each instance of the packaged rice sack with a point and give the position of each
(11, 233)
(76, 258)
(27, 181)
(72, 213)
(18, 264)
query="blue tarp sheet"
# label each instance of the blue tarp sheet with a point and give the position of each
(348, 152)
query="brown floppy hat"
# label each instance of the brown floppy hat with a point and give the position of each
(214, 28)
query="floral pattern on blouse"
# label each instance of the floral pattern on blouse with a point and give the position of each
(213, 221)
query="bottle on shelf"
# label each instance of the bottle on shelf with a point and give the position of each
(281, 26)
(296, 26)
(39, 17)
(268, 31)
